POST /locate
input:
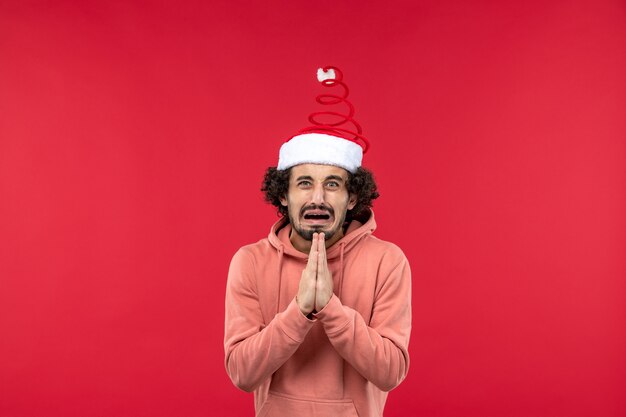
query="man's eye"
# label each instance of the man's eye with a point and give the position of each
(304, 183)
(332, 184)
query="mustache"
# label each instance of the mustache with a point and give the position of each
(317, 207)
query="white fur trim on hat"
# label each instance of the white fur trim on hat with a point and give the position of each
(319, 148)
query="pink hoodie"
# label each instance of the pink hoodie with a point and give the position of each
(341, 363)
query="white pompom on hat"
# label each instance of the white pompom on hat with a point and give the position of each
(327, 143)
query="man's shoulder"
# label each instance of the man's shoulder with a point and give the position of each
(378, 245)
(261, 247)
(381, 259)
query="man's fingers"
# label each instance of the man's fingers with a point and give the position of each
(313, 254)
(321, 247)
(306, 288)
(321, 255)
(324, 284)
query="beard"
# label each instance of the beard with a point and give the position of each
(307, 234)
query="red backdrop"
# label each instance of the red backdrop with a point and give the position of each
(133, 138)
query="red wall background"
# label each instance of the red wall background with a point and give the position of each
(134, 135)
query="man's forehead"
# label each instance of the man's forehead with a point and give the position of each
(318, 171)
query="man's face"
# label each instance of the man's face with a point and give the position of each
(317, 201)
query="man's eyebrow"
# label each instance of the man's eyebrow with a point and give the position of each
(328, 178)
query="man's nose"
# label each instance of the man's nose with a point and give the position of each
(317, 196)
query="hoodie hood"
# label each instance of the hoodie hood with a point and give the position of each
(356, 230)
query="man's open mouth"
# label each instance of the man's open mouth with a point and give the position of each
(317, 216)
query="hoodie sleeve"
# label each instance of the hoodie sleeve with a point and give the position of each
(254, 350)
(378, 351)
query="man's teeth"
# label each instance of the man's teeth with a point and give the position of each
(317, 216)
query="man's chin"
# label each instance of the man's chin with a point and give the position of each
(307, 233)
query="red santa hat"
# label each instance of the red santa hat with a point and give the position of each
(327, 141)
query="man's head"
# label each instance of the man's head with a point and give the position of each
(319, 198)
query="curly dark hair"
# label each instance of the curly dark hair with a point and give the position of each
(361, 183)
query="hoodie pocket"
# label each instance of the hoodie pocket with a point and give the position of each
(281, 405)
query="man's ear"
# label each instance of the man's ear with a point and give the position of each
(352, 201)
(283, 201)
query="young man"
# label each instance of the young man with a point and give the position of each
(318, 314)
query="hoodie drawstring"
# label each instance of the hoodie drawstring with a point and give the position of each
(342, 247)
(280, 277)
